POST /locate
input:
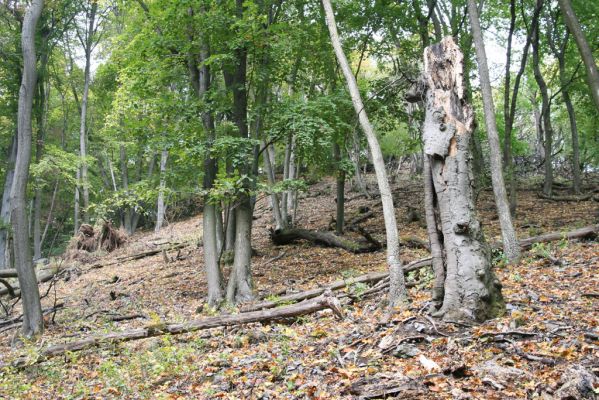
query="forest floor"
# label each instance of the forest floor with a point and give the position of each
(550, 326)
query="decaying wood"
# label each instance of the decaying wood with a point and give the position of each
(287, 236)
(137, 256)
(326, 301)
(372, 277)
(566, 198)
(8, 273)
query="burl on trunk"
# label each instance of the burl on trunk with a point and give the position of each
(465, 286)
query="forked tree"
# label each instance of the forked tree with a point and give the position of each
(465, 286)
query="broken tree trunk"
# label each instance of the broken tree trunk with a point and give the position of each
(323, 302)
(327, 239)
(471, 290)
(336, 285)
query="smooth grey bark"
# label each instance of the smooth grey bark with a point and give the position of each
(583, 47)
(161, 206)
(230, 228)
(33, 323)
(471, 290)
(239, 288)
(560, 53)
(76, 206)
(340, 215)
(397, 288)
(50, 213)
(87, 43)
(511, 249)
(274, 197)
(545, 115)
(5, 206)
(126, 213)
(507, 139)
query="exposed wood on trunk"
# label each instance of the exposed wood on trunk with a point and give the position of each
(326, 301)
(471, 290)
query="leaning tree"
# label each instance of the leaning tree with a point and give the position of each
(464, 277)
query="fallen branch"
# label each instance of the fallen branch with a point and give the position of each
(336, 285)
(9, 288)
(141, 255)
(295, 310)
(8, 273)
(588, 232)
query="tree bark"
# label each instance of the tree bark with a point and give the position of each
(5, 206)
(327, 239)
(507, 140)
(583, 47)
(397, 290)
(340, 215)
(510, 243)
(161, 206)
(546, 115)
(32, 310)
(274, 197)
(471, 290)
(87, 44)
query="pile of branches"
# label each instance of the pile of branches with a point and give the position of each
(107, 238)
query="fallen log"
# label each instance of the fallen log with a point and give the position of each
(8, 273)
(10, 290)
(282, 237)
(323, 302)
(565, 198)
(137, 256)
(44, 275)
(336, 285)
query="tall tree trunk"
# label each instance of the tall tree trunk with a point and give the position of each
(471, 290)
(583, 47)
(274, 197)
(511, 249)
(340, 218)
(239, 288)
(161, 206)
(507, 140)
(32, 311)
(560, 53)
(126, 212)
(5, 206)
(82, 127)
(397, 289)
(76, 206)
(545, 114)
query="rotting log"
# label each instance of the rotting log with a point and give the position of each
(8, 273)
(326, 301)
(566, 198)
(282, 237)
(336, 285)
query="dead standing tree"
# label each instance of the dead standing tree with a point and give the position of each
(470, 290)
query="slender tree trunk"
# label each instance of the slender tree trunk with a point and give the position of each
(125, 185)
(274, 197)
(76, 207)
(511, 249)
(397, 290)
(5, 206)
(434, 235)
(50, 213)
(583, 47)
(507, 140)
(32, 311)
(471, 290)
(545, 114)
(161, 207)
(82, 127)
(340, 218)
(42, 103)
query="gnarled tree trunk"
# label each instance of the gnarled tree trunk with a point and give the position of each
(471, 290)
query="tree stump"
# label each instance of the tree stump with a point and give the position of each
(471, 291)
